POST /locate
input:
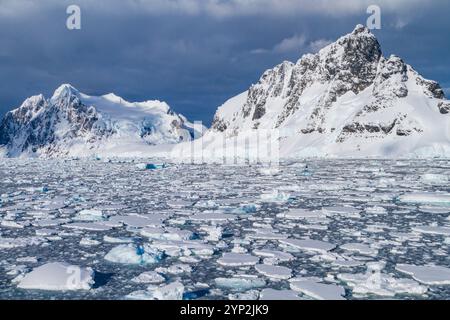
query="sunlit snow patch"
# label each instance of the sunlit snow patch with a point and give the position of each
(319, 291)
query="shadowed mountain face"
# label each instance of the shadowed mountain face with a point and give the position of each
(346, 94)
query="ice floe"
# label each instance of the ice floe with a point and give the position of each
(316, 290)
(431, 275)
(57, 276)
(308, 245)
(274, 272)
(132, 254)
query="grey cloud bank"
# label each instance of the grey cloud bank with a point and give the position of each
(195, 54)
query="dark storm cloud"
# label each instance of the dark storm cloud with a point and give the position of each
(195, 54)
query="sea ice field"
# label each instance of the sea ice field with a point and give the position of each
(133, 229)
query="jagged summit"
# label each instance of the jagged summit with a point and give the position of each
(73, 123)
(347, 99)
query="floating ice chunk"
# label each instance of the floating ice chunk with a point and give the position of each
(206, 204)
(230, 259)
(272, 294)
(90, 215)
(246, 296)
(296, 214)
(171, 291)
(186, 247)
(175, 269)
(319, 291)
(432, 230)
(435, 210)
(266, 234)
(12, 224)
(18, 271)
(239, 249)
(46, 232)
(152, 277)
(58, 276)
(242, 209)
(240, 283)
(435, 178)
(376, 210)
(166, 234)
(347, 263)
(140, 221)
(89, 226)
(152, 232)
(150, 166)
(360, 248)
(87, 242)
(275, 196)
(308, 245)
(430, 275)
(270, 171)
(213, 217)
(8, 243)
(275, 272)
(109, 239)
(27, 259)
(179, 204)
(131, 254)
(381, 284)
(214, 232)
(50, 222)
(140, 295)
(274, 255)
(342, 211)
(426, 197)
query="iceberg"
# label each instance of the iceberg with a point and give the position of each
(319, 291)
(172, 291)
(426, 197)
(150, 166)
(240, 283)
(231, 259)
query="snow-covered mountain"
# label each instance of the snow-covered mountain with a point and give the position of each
(71, 123)
(346, 100)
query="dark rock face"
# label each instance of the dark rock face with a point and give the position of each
(219, 124)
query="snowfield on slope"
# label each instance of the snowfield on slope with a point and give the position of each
(90, 229)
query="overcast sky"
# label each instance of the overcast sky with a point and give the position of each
(195, 54)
